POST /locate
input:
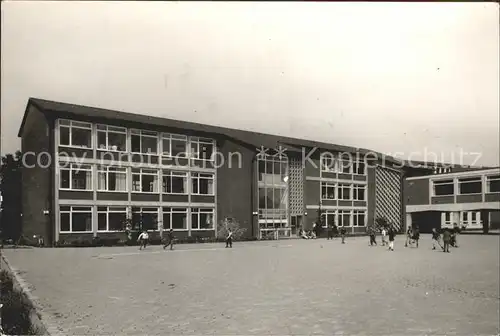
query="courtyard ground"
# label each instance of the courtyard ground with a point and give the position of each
(288, 287)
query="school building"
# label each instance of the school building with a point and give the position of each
(465, 196)
(88, 169)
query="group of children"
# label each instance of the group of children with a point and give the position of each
(143, 239)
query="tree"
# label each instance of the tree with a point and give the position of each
(228, 223)
(382, 222)
(10, 189)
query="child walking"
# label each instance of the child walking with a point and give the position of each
(342, 234)
(170, 240)
(229, 239)
(435, 239)
(143, 239)
(391, 239)
(446, 240)
(384, 234)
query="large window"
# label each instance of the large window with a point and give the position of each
(75, 134)
(327, 191)
(359, 192)
(145, 218)
(202, 184)
(174, 182)
(472, 185)
(345, 166)
(202, 148)
(111, 138)
(443, 188)
(344, 191)
(329, 163)
(75, 219)
(330, 219)
(144, 180)
(359, 168)
(75, 177)
(202, 219)
(111, 178)
(175, 218)
(111, 218)
(359, 217)
(493, 183)
(174, 145)
(144, 142)
(344, 218)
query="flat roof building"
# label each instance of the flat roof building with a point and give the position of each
(87, 170)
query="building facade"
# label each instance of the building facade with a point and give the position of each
(467, 197)
(87, 171)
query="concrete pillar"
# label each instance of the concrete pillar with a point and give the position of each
(408, 221)
(485, 216)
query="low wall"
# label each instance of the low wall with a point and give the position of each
(38, 320)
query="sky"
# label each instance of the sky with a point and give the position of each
(415, 80)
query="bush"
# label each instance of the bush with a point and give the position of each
(15, 311)
(226, 224)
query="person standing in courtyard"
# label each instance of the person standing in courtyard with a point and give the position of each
(392, 234)
(416, 235)
(170, 240)
(143, 239)
(330, 232)
(384, 234)
(342, 234)
(446, 240)
(229, 239)
(435, 239)
(371, 231)
(409, 234)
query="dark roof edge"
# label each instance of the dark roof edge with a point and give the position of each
(60, 107)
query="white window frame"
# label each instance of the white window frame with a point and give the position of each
(355, 194)
(172, 173)
(109, 210)
(145, 171)
(329, 213)
(144, 134)
(478, 179)
(329, 163)
(72, 167)
(173, 210)
(72, 124)
(489, 179)
(355, 165)
(328, 185)
(198, 211)
(341, 186)
(341, 167)
(102, 169)
(448, 219)
(71, 211)
(167, 152)
(355, 218)
(141, 210)
(341, 212)
(199, 141)
(198, 176)
(447, 183)
(110, 129)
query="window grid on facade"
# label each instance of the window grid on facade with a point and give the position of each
(144, 180)
(443, 187)
(201, 148)
(143, 142)
(174, 218)
(202, 218)
(202, 183)
(75, 134)
(111, 138)
(470, 185)
(111, 219)
(174, 145)
(174, 182)
(328, 191)
(145, 218)
(75, 177)
(493, 183)
(111, 178)
(75, 219)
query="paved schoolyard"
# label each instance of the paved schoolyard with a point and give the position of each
(292, 287)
